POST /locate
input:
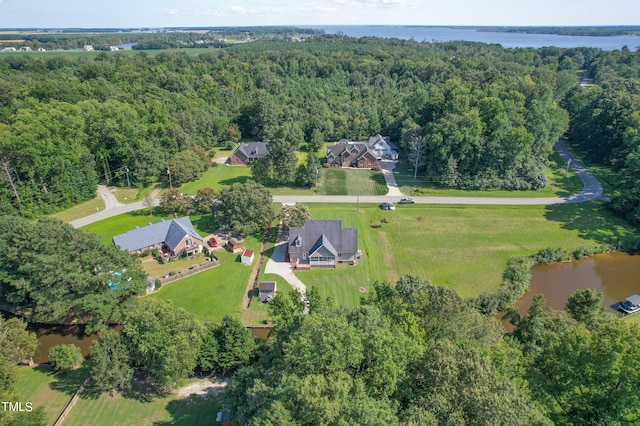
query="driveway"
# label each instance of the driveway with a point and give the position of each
(277, 265)
(387, 170)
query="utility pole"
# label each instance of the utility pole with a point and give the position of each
(126, 170)
(568, 164)
(7, 171)
(169, 173)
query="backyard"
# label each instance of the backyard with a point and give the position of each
(462, 247)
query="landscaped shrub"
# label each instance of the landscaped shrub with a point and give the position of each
(158, 283)
(65, 357)
(376, 168)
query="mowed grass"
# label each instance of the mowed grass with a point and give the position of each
(81, 210)
(333, 181)
(215, 292)
(43, 388)
(127, 409)
(462, 247)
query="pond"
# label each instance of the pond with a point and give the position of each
(615, 274)
(52, 335)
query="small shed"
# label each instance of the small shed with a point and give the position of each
(247, 257)
(234, 245)
(267, 291)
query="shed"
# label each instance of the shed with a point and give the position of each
(247, 257)
(234, 245)
(267, 291)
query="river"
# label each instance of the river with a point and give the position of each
(507, 40)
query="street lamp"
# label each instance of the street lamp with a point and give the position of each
(126, 170)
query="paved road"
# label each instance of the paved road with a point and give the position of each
(592, 190)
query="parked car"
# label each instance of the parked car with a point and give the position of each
(213, 242)
(387, 206)
(407, 201)
(631, 304)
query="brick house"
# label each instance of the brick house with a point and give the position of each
(247, 152)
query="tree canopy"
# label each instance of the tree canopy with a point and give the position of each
(54, 272)
(244, 208)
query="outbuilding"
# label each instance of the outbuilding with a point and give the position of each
(267, 291)
(246, 257)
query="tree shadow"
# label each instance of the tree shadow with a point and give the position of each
(193, 410)
(592, 220)
(238, 179)
(205, 223)
(67, 382)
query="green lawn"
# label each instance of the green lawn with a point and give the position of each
(127, 195)
(81, 210)
(215, 292)
(51, 391)
(463, 247)
(332, 182)
(559, 185)
(138, 409)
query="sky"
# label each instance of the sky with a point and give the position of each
(216, 13)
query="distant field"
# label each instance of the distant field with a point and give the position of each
(332, 182)
(462, 247)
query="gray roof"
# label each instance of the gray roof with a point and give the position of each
(253, 150)
(354, 148)
(267, 286)
(634, 300)
(169, 232)
(323, 233)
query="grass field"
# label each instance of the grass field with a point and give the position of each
(138, 409)
(559, 185)
(463, 247)
(332, 182)
(51, 391)
(81, 210)
(127, 195)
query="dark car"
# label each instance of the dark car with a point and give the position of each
(387, 206)
(407, 201)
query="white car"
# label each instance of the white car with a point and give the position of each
(631, 304)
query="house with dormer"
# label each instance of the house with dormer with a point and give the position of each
(322, 243)
(383, 147)
(247, 152)
(351, 154)
(172, 238)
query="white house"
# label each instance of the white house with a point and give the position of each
(383, 147)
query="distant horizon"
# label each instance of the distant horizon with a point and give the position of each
(320, 26)
(59, 14)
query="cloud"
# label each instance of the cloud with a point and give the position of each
(237, 10)
(166, 11)
(372, 3)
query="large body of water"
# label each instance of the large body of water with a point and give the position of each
(507, 40)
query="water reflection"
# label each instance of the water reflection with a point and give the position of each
(616, 275)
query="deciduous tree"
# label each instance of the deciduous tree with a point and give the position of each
(245, 208)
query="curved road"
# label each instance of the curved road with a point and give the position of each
(592, 190)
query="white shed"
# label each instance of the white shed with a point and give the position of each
(247, 257)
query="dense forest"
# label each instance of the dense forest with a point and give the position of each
(489, 115)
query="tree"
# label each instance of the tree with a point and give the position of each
(204, 199)
(585, 306)
(417, 147)
(64, 274)
(262, 170)
(309, 173)
(164, 341)
(16, 343)
(236, 345)
(293, 215)
(592, 376)
(65, 357)
(245, 208)
(282, 154)
(208, 355)
(188, 165)
(148, 201)
(316, 141)
(174, 201)
(110, 363)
